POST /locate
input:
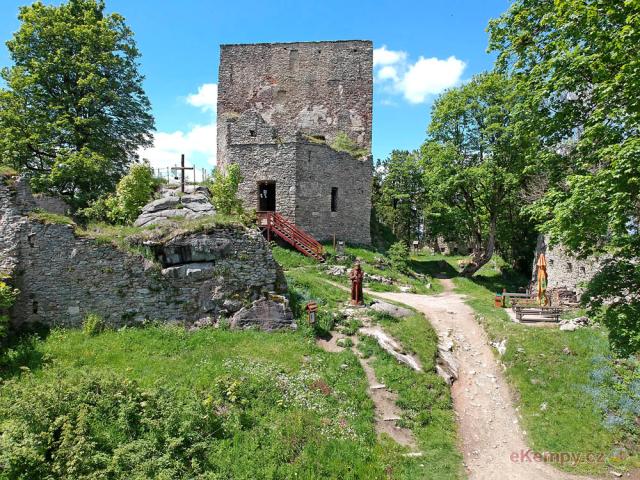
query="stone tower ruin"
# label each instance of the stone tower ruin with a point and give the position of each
(281, 108)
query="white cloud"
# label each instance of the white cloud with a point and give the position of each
(430, 76)
(417, 81)
(197, 143)
(388, 73)
(206, 98)
(383, 56)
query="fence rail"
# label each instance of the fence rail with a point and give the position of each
(197, 175)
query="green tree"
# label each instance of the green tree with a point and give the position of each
(399, 194)
(473, 162)
(133, 192)
(224, 190)
(74, 112)
(579, 66)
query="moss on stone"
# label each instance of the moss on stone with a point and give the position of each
(51, 218)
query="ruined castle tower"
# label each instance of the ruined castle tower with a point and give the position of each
(281, 107)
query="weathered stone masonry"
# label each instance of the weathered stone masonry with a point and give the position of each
(225, 272)
(280, 107)
(565, 271)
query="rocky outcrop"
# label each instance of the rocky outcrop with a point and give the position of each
(265, 314)
(181, 278)
(172, 204)
(390, 309)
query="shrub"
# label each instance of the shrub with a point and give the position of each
(93, 324)
(104, 427)
(133, 192)
(399, 257)
(224, 190)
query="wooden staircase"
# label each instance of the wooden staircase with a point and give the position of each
(274, 223)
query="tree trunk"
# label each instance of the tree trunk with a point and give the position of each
(482, 253)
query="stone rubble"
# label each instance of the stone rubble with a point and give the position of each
(569, 325)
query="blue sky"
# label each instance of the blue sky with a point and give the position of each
(421, 47)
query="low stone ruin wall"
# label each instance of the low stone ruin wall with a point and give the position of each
(567, 274)
(197, 278)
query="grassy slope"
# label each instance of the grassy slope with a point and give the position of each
(424, 397)
(192, 363)
(323, 428)
(541, 373)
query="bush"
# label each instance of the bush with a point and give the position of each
(93, 324)
(399, 257)
(103, 427)
(224, 190)
(133, 192)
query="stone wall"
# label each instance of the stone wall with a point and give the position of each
(189, 278)
(320, 168)
(320, 88)
(51, 204)
(263, 158)
(565, 271)
(280, 106)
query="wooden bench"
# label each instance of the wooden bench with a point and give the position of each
(537, 314)
(509, 296)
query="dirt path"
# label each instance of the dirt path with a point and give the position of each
(387, 413)
(489, 429)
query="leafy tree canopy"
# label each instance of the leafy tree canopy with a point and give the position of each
(474, 157)
(578, 63)
(400, 194)
(74, 112)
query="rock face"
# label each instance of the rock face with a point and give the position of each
(265, 314)
(196, 204)
(185, 279)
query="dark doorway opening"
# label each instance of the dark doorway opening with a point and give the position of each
(267, 196)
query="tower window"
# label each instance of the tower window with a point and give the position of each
(569, 267)
(334, 199)
(252, 133)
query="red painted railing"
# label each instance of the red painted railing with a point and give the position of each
(273, 222)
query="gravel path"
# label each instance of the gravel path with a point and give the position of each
(488, 426)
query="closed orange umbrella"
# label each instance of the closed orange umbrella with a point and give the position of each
(542, 280)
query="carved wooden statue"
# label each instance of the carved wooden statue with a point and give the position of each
(356, 277)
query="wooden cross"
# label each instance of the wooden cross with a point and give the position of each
(182, 168)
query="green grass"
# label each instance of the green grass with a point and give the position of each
(370, 259)
(289, 258)
(303, 413)
(423, 396)
(541, 372)
(51, 218)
